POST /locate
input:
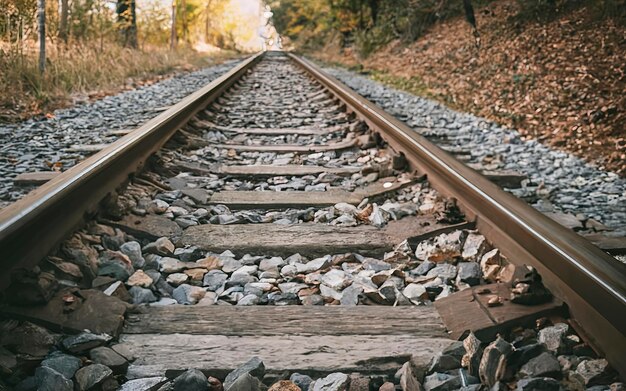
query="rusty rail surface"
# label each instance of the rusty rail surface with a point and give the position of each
(592, 282)
(32, 226)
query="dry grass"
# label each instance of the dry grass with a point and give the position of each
(85, 69)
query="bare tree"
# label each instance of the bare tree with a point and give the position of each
(173, 36)
(41, 21)
(63, 30)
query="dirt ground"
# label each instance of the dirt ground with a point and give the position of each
(560, 81)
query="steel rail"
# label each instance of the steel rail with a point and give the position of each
(35, 224)
(592, 282)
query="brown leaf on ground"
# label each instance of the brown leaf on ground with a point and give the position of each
(561, 82)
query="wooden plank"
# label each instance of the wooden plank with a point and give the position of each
(468, 310)
(294, 320)
(309, 239)
(269, 131)
(284, 240)
(285, 148)
(302, 199)
(34, 178)
(91, 310)
(149, 227)
(506, 178)
(286, 170)
(283, 199)
(610, 244)
(315, 356)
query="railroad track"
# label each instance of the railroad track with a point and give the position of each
(303, 225)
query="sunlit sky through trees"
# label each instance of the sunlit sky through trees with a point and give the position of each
(242, 21)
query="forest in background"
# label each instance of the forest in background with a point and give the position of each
(551, 69)
(93, 46)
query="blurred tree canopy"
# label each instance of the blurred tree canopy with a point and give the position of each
(367, 24)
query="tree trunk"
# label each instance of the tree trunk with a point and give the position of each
(373, 4)
(174, 36)
(183, 6)
(41, 9)
(127, 22)
(471, 19)
(63, 21)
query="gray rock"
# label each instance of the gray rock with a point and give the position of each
(253, 367)
(336, 279)
(188, 294)
(494, 361)
(333, 382)
(230, 265)
(114, 270)
(64, 364)
(595, 371)
(214, 279)
(538, 384)
(375, 264)
(473, 354)
(110, 358)
(350, 295)
(424, 268)
(416, 293)
(313, 300)
(249, 300)
(188, 254)
(170, 265)
(84, 341)
(144, 384)
(276, 298)
(328, 292)
(191, 380)
(142, 295)
(245, 382)
(133, 251)
(474, 247)
(47, 379)
(450, 358)
(442, 382)
(445, 271)
(544, 365)
(302, 381)
(314, 265)
(92, 375)
(469, 273)
(271, 264)
(240, 279)
(291, 287)
(554, 337)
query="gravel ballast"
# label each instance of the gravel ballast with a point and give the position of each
(37, 144)
(557, 181)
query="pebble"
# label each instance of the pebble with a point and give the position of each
(47, 379)
(84, 341)
(554, 337)
(110, 358)
(92, 375)
(144, 384)
(333, 382)
(302, 381)
(142, 295)
(188, 294)
(191, 380)
(64, 364)
(253, 367)
(140, 279)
